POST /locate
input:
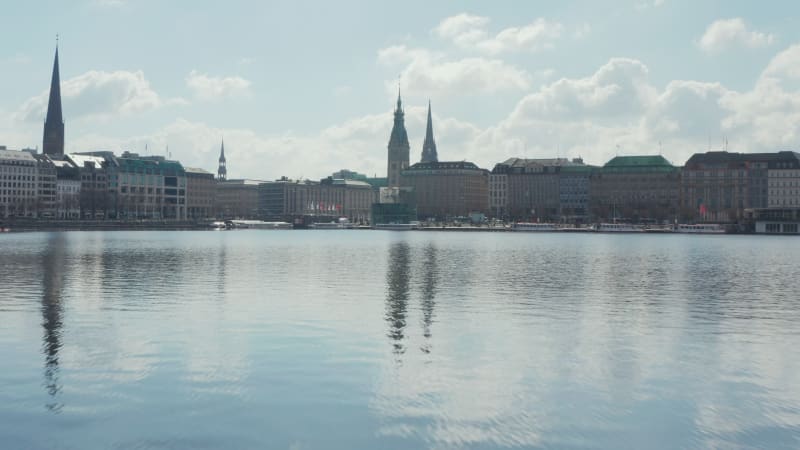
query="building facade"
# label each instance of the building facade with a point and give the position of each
(236, 199)
(46, 187)
(498, 192)
(536, 189)
(720, 186)
(636, 188)
(18, 183)
(574, 188)
(284, 199)
(135, 187)
(444, 190)
(200, 191)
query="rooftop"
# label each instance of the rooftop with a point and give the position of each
(81, 160)
(16, 155)
(647, 163)
(722, 157)
(198, 171)
(443, 165)
(241, 182)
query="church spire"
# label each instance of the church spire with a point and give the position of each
(429, 145)
(222, 171)
(53, 139)
(398, 146)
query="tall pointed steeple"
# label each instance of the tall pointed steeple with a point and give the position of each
(429, 146)
(53, 140)
(222, 171)
(398, 145)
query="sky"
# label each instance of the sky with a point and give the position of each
(302, 89)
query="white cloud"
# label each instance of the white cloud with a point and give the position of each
(469, 31)
(207, 87)
(97, 94)
(427, 71)
(619, 88)
(729, 33)
(463, 29)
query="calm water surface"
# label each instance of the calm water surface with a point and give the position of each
(368, 340)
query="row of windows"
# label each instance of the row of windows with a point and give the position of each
(17, 184)
(27, 168)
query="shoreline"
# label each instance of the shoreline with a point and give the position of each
(34, 226)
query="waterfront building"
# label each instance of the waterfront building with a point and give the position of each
(531, 189)
(398, 147)
(53, 136)
(18, 183)
(236, 199)
(783, 180)
(429, 145)
(46, 187)
(574, 187)
(774, 220)
(285, 199)
(498, 191)
(444, 190)
(68, 193)
(94, 192)
(200, 191)
(222, 170)
(68, 189)
(719, 186)
(134, 186)
(636, 188)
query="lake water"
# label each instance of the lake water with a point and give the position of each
(347, 339)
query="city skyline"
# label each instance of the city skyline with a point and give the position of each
(587, 92)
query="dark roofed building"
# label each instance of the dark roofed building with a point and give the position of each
(718, 186)
(535, 189)
(636, 188)
(448, 189)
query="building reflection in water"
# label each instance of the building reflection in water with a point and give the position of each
(53, 274)
(429, 281)
(397, 281)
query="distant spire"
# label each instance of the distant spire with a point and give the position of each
(53, 140)
(398, 145)
(222, 171)
(429, 145)
(399, 101)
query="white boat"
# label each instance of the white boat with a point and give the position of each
(342, 224)
(704, 228)
(619, 228)
(260, 225)
(526, 226)
(218, 225)
(396, 226)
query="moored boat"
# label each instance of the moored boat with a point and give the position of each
(259, 225)
(619, 228)
(342, 224)
(528, 226)
(396, 226)
(703, 228)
